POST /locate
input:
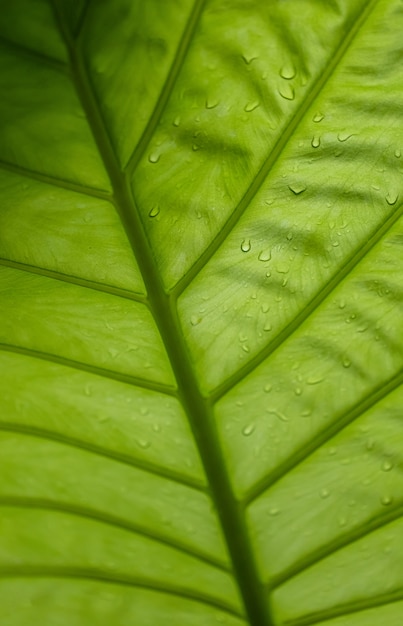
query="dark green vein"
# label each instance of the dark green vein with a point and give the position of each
(76, 280)
(92, 369)
(184, 45)
(114, 521)
(55, 182)
(357, 533)
(276, 152)
(195, 405)
(80, 27)
(86, 446)
(349, 608)
(21, 50)
(318, 440)
(378, 233)
(96, 575)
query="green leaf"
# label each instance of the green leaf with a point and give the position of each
(201, 323)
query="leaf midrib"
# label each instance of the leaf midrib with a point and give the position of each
(195, 405)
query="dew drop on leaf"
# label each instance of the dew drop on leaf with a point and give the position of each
(318, 117)
(287, 91)
(267, 388)
(346, 362)
(251, 106)
(144, 443)
(264, 255)
(391, 198)
(288, 71)
(211, 103)
(246, 245)
(324, 493)
(154, 211)
(248, 58)
(297, 188)
(315, 143)
(298, 391)
(343, 136)
(398, 153)
(386, 500)
(154, 157)
(274, 511)
(195, 320)
(387, 466)
(176, 121)
(248, 430)
(267, 327)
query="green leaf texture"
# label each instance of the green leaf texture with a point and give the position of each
(201, 313)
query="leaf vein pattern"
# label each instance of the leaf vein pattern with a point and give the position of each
(116, 579)
(92, 369)
(348, 609)
(22, 50)
(195, 405)
(311, 307)
(321, 438)
(337, 544)
(56, 182)
(276, 152)
(184, 45)
(110, 520)
(41, 433)
(75, 280)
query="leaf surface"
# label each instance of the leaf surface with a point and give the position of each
(201, 329)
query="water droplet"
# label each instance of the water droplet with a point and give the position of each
(251, 106)
(342, 521)
(265, 308)
(298, 391)
(246, 245)
(391, 198)
(342, 304)
(346, 363)
(297, 188)
(324, 493)
(287, 91)
(386, 500)
(144, 443)
(267, 388)
(267, 327)
(268, 274)
(248, 58)
(156, 428)
(314, 380)
(306, 413)
(343, 136)
(242, 337)
(245, 348)
(248, 430)
(154, 211)
(264, 255)
(387, 466)
(288, 71)
(88, 390)
(280, 416)
(211, 103)
(195, 319)
(332, 450)
(274, 511)
(315, 143)
(398, 153)
(318, 117)
(176, 121)
(282, 268)
(154, 157)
